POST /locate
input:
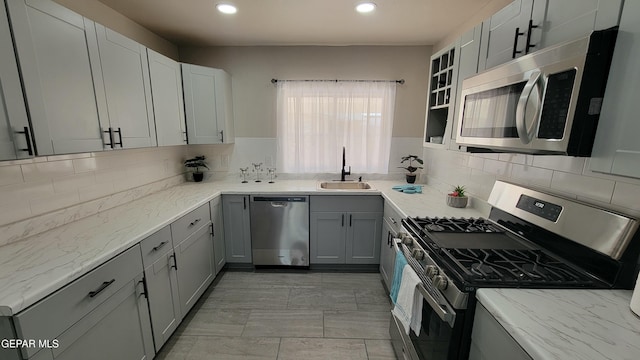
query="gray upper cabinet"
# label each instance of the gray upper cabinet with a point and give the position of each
(218, 233)
(504, 34)
(565, 20)
(616, 149)
(525, 26)
(237, 228)
(168, 105)
(15, 133)
(467, 66)
(208, 105)
(53, 46)
(127, 91)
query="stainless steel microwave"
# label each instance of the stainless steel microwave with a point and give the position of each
(547, 102)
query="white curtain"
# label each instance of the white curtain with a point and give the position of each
(317, 118)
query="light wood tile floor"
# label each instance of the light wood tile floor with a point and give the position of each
(284, 315)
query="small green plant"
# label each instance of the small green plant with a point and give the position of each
(196, 162)
(458, 191)
(411, 159)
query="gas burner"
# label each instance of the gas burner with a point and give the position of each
(471, 225)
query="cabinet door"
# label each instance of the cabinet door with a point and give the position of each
(363, 238)
(491, 341)
(201, 104)
(224, 106)
(566, 20)
(14, 124)
(467, 66)
(387, 255)
(218, 234)
(125, 72)
(53, 46)
(195, 266)
(164, 301)
(237, 228)
(118, 329)
(327, 237)
(504, 34)
(168, 105)
(616, 149)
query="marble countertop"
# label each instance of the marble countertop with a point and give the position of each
(567, 324)
(39, 265)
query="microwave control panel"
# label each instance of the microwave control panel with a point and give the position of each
(557, 100)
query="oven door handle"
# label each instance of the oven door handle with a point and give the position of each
(443, 314)
(446, 315)
(526, 133)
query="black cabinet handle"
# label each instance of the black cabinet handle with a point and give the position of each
(212, 231)
(159, 246)
(342, 220)
(145, 291)
(195, 222)
(221, 135)
(101, 288)
(29, 148)
(175, 261)
(119, 131)
(185, 137)
(515, 43)
(529, 45)
(350, 219)
(244, 202)
(110, 132)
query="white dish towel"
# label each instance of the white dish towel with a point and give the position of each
(408, 309)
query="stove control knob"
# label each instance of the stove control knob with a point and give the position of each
(431, 271)
(440, 282)
(418, 254)
(407, 240)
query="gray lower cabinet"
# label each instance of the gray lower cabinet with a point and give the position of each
(162, 285)
(194, 259)
(345, 229)
(218, 233)
(102, 315)
(237, 228)
(390, 229)
(490, 341)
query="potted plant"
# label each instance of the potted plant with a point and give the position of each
(457, 198)
(411, 170)
(197, 163)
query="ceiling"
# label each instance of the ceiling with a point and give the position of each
(299, 22)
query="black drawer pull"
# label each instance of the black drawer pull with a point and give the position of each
(101, 288)
(159, 246)
(195, 222)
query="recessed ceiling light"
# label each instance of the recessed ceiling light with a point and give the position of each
(365, 7)
(227, 8)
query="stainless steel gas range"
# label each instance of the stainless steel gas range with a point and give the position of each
(531, 239)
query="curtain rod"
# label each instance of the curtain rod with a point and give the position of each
(401, 81)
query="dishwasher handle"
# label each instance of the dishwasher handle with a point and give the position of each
(279, 199)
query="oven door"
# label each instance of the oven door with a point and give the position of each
(440, 332)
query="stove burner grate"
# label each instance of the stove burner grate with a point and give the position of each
(470, 225)
(515, 266)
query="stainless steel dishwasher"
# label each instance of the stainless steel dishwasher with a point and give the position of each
(280, 230)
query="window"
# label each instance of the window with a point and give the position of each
(317, 118)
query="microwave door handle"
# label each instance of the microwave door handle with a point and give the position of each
(526, 134)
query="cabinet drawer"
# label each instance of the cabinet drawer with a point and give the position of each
(155, 246)
(392, 216)
(190, 223)
(347, 203)
(56, 313)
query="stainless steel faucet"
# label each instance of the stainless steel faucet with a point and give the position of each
(343, 173)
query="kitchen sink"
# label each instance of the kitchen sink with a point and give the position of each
(344, 185)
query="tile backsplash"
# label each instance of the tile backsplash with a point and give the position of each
(34, 187)
(565, 175)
